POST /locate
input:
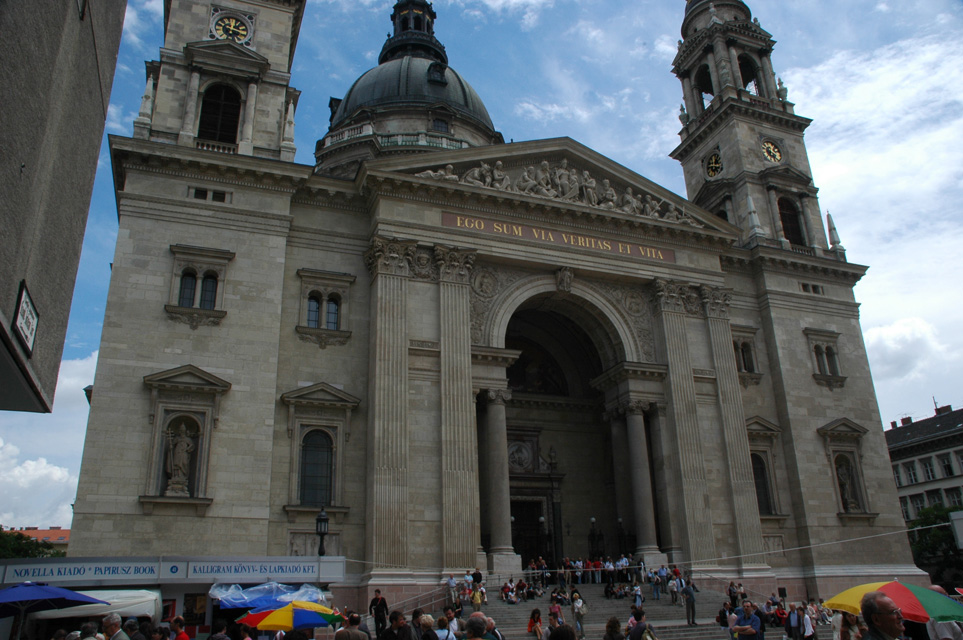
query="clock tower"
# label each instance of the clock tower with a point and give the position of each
(742, 146)
(222, 82)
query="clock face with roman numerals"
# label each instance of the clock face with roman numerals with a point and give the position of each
(232, 28)
(714, 165)
(772, 151)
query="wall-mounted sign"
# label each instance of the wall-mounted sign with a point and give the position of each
(26, 319)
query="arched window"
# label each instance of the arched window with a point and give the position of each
(820, 359)
(317, 469)
(220, 114)
(791, 223)
(185, 297)
(332, 316)
(209, 291)
(832, 362)
(760, 474)
(314, 311)
(748, 363)
(723, 214)
(750, 75)
(703, 84)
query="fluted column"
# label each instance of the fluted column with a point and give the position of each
(742, 485)
(693, 103)
(246, 145)
(498, 488)
(673, 299)
(721, 53)
(459, 480)
(814, 221)
(641, 478)
(186, 136)
(736, 71)
(387, 505)
(777, 232)
(714, 73)
(768, 74)
(620, 467)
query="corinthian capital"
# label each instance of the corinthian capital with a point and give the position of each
(715, 302)
(454, 265)
(498, 396)
(635, 407)
(671, 296)
(389, 256)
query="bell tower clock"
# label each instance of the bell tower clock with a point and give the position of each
(222, 82)
(742, 146)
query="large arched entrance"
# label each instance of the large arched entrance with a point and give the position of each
(563, 495)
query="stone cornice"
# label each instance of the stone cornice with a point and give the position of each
(718, 116)
(775, 260)
(494, 356)
(629, 371)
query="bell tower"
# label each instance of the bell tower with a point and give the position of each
(742, 146)
(222, 82)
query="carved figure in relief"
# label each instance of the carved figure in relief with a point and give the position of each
(685, 218)
(671, 214)
(501, 180)
(447, 174)
(479, 176)
(179, 449)
(608, 197)
(566, 181)
(572, 195)
(543, 179)
(650, 208)
(526, 182)
(630, 203)
(589, 196)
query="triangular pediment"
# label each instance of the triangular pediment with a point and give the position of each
(757, 424)
(187, 378)
(842, 428)
(786, 174)
(601, 186)
(226, 57)
(321, 394)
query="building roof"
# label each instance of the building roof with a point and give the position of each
(53, 535)
(939, 426)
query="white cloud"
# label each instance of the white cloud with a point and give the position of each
(35, 492)
(117, 120)
(907, 348)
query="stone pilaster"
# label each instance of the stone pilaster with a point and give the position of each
(671, 300)
(736, 71)
(741, 482)
(246, 145)
(186, 136)
(459, 482)
(641, 478)
(387, 512)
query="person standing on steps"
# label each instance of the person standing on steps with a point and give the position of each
(378, 607)
(688, 594)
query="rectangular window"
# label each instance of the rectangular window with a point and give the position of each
(200, 194)
(919, 503)
(219, 196)
(897, 477)
(904, 506)
(910, 468)
(929, 473)
(954, 497)
(946, 464)
(935, 498)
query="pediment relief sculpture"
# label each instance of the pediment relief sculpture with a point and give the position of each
(565, 183)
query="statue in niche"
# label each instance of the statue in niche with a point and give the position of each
(479, 176)
(501, 180)
(630, 203)
(607, 200)
(526, 182)
(650, 208)
(447, 174)
(563, 279)
(180, 446)
(543, 181)
(589, 196)
(847, 489)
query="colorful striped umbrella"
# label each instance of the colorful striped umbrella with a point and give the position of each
(296, 615)
(919, 604)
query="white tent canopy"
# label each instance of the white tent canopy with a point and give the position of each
(140, 603)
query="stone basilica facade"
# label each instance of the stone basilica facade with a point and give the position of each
(472, 353)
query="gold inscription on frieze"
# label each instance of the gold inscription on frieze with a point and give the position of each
(573, 240)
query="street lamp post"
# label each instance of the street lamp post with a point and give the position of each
(321, 528)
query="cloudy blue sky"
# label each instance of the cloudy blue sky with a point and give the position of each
(879, 78)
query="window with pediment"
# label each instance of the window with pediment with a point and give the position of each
(197, 285)
(763, 438)
(319, 427)
(842, 440)
(184, 411)
(323, 315)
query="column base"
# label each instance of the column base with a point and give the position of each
(504, 563)
(185, 139)
(651, 556)
(245, 148)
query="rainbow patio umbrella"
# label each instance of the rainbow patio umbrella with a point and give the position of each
(296, 615)
(919, 604)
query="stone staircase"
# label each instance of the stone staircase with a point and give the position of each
(667, 620)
